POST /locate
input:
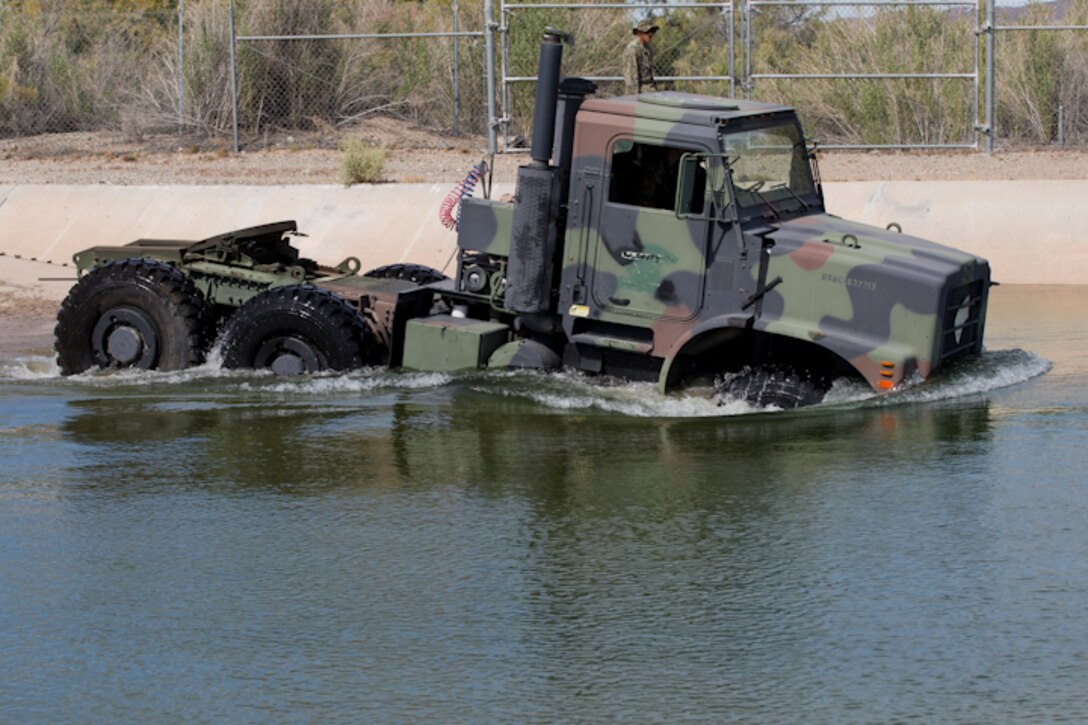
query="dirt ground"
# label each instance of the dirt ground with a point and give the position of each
(418, 156)
(28, 308)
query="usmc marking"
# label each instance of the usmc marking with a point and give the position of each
(862, 284)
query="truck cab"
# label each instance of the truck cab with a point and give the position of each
(664, 188)
(675, 237)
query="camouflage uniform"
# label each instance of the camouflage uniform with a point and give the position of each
(638, 68)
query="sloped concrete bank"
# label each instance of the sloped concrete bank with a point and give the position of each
(1033, 232)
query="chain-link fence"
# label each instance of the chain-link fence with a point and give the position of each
(64, 71)
(319, 69)
(694, 49)
(1038, 72)
(869, 73)
(863, 72)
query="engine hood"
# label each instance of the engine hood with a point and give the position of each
(814, 239)
(874, 296)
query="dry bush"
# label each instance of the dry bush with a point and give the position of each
(361, 163)
(1029, 68)
(207, 106)
(599, 39)
(878, 111)
(68, 71)
(1038, 71)
(290, 83)
(93, 64)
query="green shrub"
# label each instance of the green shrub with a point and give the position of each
(362, 163)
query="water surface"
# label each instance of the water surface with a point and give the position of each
(409, 547)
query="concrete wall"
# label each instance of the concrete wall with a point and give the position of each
(379, 224)
(1031, 231)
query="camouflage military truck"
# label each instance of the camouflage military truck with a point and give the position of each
(669, 237)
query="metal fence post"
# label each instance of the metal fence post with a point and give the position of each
(456, 71)
(746, 82)
(181, 66)
(489, 45)
(990, 101)
(233, 78)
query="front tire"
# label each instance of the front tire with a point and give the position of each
(765, 387)
(294, 330)
(132, 313)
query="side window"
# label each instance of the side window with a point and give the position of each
(646, 175)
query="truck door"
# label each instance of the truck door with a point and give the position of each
(647, 262)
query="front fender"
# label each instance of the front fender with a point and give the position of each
(882, 371)
(883, 363)
(692, 339)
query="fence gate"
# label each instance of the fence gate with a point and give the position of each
(990, 30)
(863, 45)
(693, 51)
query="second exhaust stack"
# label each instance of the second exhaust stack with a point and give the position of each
(547, 89)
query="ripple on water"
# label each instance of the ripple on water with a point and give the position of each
(28, 367)
(564, 391)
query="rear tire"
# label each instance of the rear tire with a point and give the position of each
(132, 313)
(293, 330)
(763, 387)
(417, 273)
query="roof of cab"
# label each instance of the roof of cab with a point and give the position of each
(678, 107)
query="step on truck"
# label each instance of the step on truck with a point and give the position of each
(669, 237)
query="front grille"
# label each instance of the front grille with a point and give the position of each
(961, 322)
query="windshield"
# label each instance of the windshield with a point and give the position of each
(769, 166)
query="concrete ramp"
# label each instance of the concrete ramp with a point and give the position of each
(1033, 232)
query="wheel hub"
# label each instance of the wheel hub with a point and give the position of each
(288, 356)
(124, 345)
(126, 337)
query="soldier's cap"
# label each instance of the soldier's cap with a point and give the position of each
(645, 26)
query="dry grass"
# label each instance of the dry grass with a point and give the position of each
(66, 71)
(362, 163)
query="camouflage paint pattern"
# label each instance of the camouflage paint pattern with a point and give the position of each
(677, 273)
(871, 296)
(524, 353)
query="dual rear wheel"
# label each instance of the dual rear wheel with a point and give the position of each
(132, 313)
(144, 314)
(147, 315)
(305, 329)
(293, 330)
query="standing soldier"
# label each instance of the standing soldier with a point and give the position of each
(638, 60)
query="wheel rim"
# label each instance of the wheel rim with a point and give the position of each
(289, 356)
(126, 337)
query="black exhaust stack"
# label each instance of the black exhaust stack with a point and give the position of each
(536, 214)
(547, 91)
(540, 215)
